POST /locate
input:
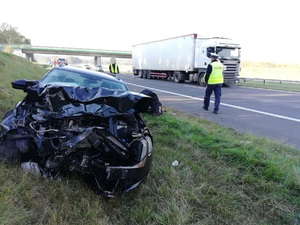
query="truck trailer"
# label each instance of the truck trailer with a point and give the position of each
(185, 58)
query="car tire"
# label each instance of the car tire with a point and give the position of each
(9, 153)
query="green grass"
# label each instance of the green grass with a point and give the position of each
(223, 177)
(12, 68)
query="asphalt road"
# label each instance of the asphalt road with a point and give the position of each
(267, 113)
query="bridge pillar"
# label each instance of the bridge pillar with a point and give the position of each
(29, 56)
(97, 61)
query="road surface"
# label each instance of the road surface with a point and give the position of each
(267, 113)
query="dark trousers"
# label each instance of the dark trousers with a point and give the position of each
(217, 89)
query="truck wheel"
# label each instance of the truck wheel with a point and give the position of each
(178, 77)
(193, 78)
(140, 74)
(144, 74)
(148, 75)
(201, 79)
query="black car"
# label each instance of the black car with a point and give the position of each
(80, 121)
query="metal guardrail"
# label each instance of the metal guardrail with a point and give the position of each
(284, 85)
(264, 81)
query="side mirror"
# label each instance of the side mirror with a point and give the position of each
(23, 84)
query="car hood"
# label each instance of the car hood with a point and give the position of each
(57, 95)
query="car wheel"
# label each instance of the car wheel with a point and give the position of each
(9, 153)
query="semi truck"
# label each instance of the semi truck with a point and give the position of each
(185, 58)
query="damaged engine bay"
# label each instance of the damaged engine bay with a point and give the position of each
(94, 132)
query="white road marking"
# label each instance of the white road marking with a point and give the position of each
(224, 104)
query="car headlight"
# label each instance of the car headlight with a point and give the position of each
(149, 145)
(144, 148)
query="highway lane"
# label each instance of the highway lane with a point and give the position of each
(267, 113)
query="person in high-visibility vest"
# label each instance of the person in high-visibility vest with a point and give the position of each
(214, 81)
(113, 67)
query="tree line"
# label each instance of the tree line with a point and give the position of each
(9, 35)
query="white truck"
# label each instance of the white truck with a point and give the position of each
(185, 58)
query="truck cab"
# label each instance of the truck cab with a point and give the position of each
(229, 55)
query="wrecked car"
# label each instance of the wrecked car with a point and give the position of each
(80, 121)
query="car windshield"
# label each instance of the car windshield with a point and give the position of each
(77, 78)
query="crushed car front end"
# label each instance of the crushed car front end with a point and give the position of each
(96, 132)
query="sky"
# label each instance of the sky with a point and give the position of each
(267, 30)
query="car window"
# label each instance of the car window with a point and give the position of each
(65, 77)
(113, 85)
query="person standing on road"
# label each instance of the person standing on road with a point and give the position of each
(113, 67)
(214, 81)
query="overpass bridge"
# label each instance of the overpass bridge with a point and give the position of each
(30, 50)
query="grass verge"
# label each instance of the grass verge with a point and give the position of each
(223, 177)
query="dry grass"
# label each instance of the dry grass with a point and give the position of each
(265, 70)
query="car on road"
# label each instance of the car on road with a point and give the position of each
(98, 68)
(61, 62)
(87, 66)
(80, 121)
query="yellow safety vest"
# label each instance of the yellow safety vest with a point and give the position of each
(114, 69)
(216, 76)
